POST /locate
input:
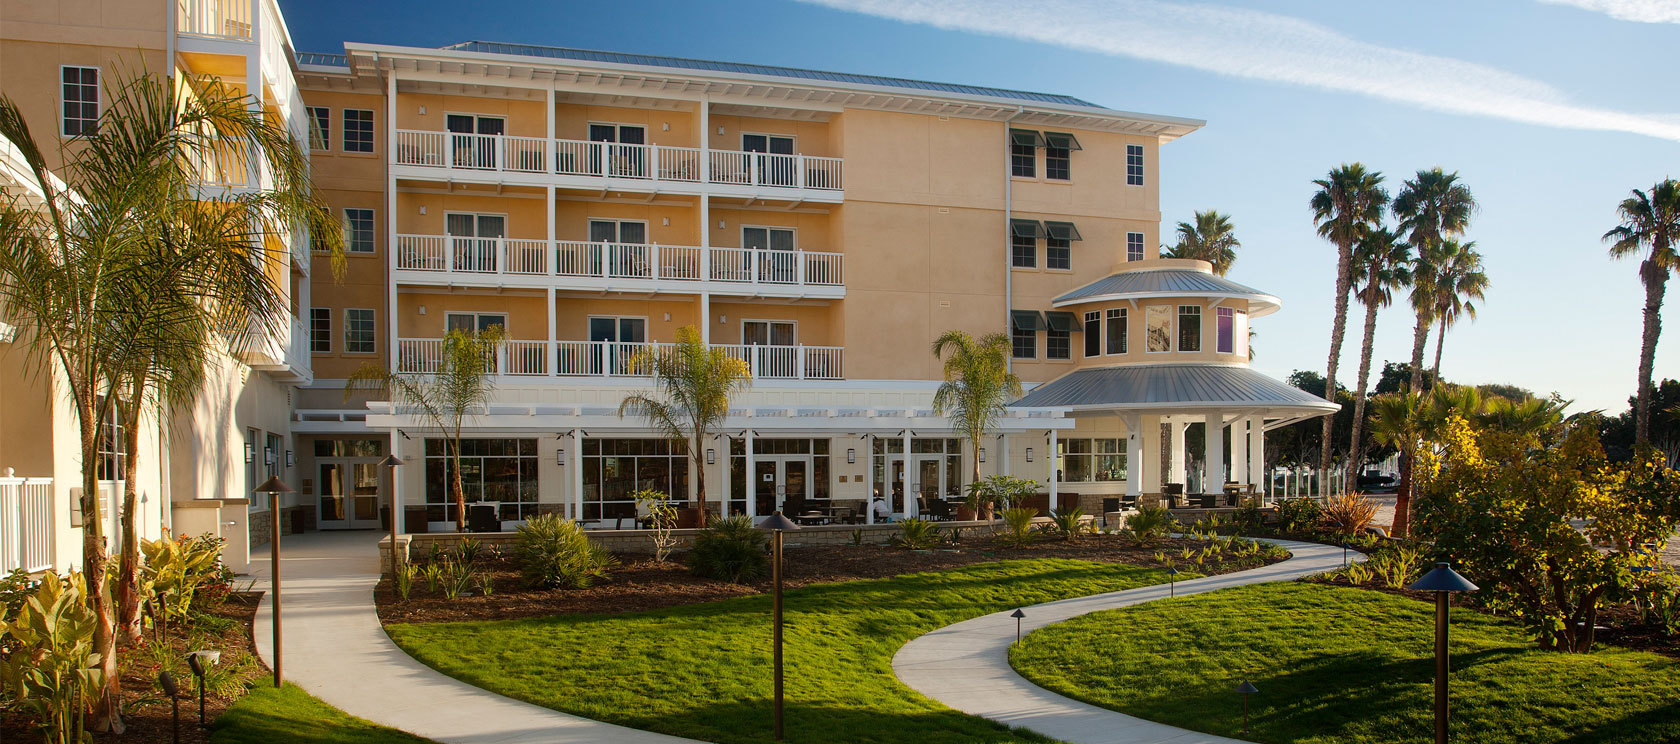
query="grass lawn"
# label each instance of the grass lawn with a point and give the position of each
(703, 671)
(1347, 666)
(291, 716)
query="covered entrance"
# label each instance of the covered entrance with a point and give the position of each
(349, 486)
(935, 473)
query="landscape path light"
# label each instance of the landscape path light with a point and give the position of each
(391, 462)
(1017, 614)
(1443, 581)
(777, 524)
(274, 487)
(1245, 689)
(167, 682)
(1172, 581)
(200, 663)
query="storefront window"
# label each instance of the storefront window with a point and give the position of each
(615, 469)
(501, 471)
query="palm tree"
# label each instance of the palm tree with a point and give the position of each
(1408, 421)
(694, 384)
(977, 386)
(1381, 262)
(1431, 207)
(126, 250)
(1348, 205)
(458, 389)
(1458, 280)
(1212, 239)
(1650, 221)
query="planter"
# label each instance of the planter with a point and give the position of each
(964, 513)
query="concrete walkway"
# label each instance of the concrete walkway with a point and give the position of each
(337, 651)
(966, 665)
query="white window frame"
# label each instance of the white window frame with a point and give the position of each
(1108, 330)
(1172, 328)
(326, 131)
(349, 235)
(476, 315)
(1143, 173)
(767, 137)
(344, 131)
(647, 228)
(347, 344)
(745, 321)
(98, 97)
(616, 319)
(1201, 328)
(1142, 251)
(768, 229)
(1089, 317)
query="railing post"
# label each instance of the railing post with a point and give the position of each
(654, 271)
(799, 361)
(799, 267)
(756, 263)
(799, 170)
(752, 169)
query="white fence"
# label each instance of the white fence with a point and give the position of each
(605, 260)
(623, 359)
(26, 529)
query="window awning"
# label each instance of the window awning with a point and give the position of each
(1026, 137)
(1062, 230)
(1062, 140)
(1026, 320)
(1060, 321)
(1026, 228)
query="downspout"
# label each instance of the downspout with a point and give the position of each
(1008, 242)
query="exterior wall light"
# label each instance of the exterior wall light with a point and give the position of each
(711, 456)
(250, 453)
(290, 461)
(560, 457)
(851, 456)
(1029, 454)
(982, 454)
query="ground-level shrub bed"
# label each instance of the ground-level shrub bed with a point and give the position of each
(703, 670)
(1342, 665)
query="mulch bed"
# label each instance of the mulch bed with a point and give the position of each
(641, 584)
(146, 711)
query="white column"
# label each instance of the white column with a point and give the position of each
(1055, 475)
(752, 478)
(1239, 449)
(1003, 455)
(552, 355)
(1213, 480)
(1257, 453)
(723, 482)
(548, 131)
(869, 492)
(705, 311)
(909, 473)
(390, 218)
(397, 516)
(1134, 454)
(577, 474)
(1176, 472)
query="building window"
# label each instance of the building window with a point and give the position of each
(1024, 327)
(358, 130)
(358, 331)
(1023, 152)
(1093, 334)
(358, 230)
(500, 471)
(1058, 155)
(274, 454)
(1233, 331)
(1134, 246)
(798, 470)
(1091, 460)
(922, 480)
(320, 127)
(257, 503)
(1058, 244)
(1134, 165)
(1157, 328)
(614, 469)
(1058, 335)
(81, 100)
(1024, 236)
(1189, 327)
(320, 330)
(112, 445)
(1117, 331)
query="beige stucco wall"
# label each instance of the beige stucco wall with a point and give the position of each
(345, 180)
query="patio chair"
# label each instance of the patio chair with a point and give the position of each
(618, 512)
(1109, 506)
(483, 518)
(938, 510)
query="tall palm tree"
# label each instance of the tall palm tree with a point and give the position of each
(459, 389)
(694, 384)
(1212, 239)
(1650, 221)
(123, 248)
(978, 384)
(1459, 281)
(1381, 262)
(1348, 205)
(1432, 207)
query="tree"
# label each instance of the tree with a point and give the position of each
(1650, 222)
(977, 386)
(459, 388)
(694, 384)
(1381, 261)
(1349, 204)
(1212, 239)
(1432, 207)
(1458, 282)
(1393, 378)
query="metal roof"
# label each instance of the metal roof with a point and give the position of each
(1170, 386)
(323, 59)
(1169, 282)
(683, 63)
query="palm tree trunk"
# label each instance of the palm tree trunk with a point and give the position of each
(1656, 279)
(1355, 448)
(107, 710)
(128, 562)
(1344, 286)
(1403, 495)
(1420, 339)
(1440, 340)
(700, 473)
(455, 484)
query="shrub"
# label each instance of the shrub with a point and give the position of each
(1148, 523)
(1347, 515)
(177, 570)
(433, 574)
(1069, 522)
(661, 518)
(486, 585)
(555, 553)
(1298, 514)
(1249, 518)
(857, 537)
(15, 589)
(997, 492)
(403, 582)
(457, 578)
(1018, 528)
(51, 667)
(468, 549)
(1396, 566)
(916, 534)
(729, 549)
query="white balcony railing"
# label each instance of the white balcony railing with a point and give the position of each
(26, 533)
(580, 259)
(222, 19)
(519, 358)
(653, 163)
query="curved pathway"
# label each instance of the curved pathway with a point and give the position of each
(336, 650)
(966, 665)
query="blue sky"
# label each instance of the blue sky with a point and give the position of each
(1499, 90)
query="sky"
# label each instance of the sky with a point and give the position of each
(1551, 111)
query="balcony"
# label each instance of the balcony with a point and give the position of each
(573, 359)
(638, 267)
(630, 167)
(284, 353)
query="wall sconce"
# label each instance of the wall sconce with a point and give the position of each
(1029, 454)
(851, 456)
(982, 454)
(250, 453)
(289, 460)
(711, 457)
(268, 455)
(560, 456)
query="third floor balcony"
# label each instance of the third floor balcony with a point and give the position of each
(575, 359)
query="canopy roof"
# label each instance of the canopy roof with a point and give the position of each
(1169, 282)
(1172, 387)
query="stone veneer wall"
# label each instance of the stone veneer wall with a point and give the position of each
(301, 517)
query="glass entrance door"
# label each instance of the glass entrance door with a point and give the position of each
(782, 483)
(929, 483)
(349, 494)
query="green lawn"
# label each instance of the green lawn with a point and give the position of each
(291, 716)
(703, 671)
(1347, 666)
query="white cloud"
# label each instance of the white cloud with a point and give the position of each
(1268, 46)
(1641, 11)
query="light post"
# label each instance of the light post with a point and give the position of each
(1245, 689)
(777, 524)
(1172, 581)
(1017, 614)
(1344, 554)
(1442, 581)
(274, 487)
(391, 462)
(167, 682)
(200, 662)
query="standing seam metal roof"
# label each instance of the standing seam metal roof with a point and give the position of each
(1161, 385)
(646, 60)
(1160, 281)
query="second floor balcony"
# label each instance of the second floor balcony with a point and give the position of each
(574, 359)
(635, 167)
(572, 264)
